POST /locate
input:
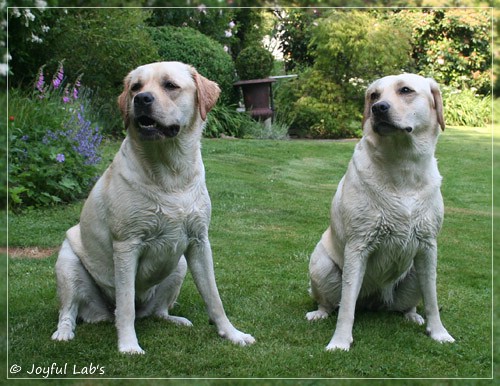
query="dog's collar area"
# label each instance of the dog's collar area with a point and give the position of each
(150, 129)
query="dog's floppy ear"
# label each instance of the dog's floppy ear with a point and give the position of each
(123, 100)
(207, 92)
(366, 112)
(438, 102)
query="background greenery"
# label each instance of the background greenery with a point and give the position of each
(346, 49)
(273, 197)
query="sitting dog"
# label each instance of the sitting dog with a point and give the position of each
(380, 250)
(147, 217)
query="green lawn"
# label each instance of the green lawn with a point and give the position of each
(270, 205)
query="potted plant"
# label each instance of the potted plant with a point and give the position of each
(253, 65)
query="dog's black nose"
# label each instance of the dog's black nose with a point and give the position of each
(380, 108)
(144, 99)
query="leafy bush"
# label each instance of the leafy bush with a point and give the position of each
(452, 46)
(254, 62)
(465, 108)
(216, 23)
(275, 130)
(357, 44)
(316, 107)
(205, 54)
(226, 120)
(53, 144)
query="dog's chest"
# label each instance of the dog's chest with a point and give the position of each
(168, 231)
(401, 229)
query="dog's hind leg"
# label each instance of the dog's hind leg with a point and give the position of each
(77, 294)
(167, 293)
(405, 297)
(325, 281)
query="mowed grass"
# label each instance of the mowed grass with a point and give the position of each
(271, 203)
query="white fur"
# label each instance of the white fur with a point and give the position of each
(380, 250)
(146, 216)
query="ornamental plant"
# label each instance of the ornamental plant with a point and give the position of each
(54, 146)
(254, 62)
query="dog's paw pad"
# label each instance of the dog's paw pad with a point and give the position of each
(441, 336)
(63, 335)
(238, 337)
(415, 318)
(244, 339)
(131, 349)
(335, 346)
(316, 315)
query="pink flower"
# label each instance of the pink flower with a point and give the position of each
(40, 83)
(76, 87)
(57, 80)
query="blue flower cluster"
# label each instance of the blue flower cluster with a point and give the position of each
(84, 138)
(55, 128)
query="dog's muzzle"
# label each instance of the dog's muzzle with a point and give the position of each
(149, 128)
(382, 122)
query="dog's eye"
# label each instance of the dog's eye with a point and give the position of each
(405, 90)
(169, 85)
(374, 96)
(136, 87)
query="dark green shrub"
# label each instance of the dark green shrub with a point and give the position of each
(315, 107)
(54, 145)
(254, 62)
(205, 54)
(226, 120)
(216, 23)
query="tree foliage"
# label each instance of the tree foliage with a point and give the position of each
(355, 44)
(452, 46)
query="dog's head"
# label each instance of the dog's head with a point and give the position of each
(161, 99)
(403, 105)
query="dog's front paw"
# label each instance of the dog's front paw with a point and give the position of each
(238, 337)
(339, 344)
(63, 334)
(130, 349)
(441, 335)
(316, 315)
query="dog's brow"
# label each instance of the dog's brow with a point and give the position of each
(401, 83)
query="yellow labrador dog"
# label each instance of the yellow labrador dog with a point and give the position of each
(146, 215)
(380, 250)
